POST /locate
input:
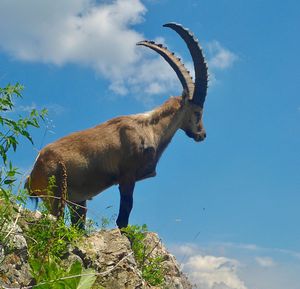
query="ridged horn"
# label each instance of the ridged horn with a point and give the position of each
(201, 70)
(181, 71)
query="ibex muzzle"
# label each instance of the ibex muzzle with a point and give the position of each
(125, 149)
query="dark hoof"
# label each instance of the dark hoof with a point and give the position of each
(121, 224)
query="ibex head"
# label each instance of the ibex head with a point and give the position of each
(194, 93)
(192, 123)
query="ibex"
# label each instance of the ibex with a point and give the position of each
(125, 149)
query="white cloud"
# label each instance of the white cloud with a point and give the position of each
(187, 249)
(84, 32)
(52, 108)
(210, 272)
(265, 261)
(77, 31)
(220, 57)
(207, 271)
(98, 35)
(230, 265)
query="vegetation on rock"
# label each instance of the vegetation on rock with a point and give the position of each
(151, 267)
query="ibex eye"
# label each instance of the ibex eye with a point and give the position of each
(198, 115)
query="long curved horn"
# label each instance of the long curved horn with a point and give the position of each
(201, 73)
(181, 71)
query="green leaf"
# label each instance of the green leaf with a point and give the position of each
(35, 268)
(86, 282)
(11, 173)
(75, 269)
(58, 285)
(9, 181)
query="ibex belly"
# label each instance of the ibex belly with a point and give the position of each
(90, 182)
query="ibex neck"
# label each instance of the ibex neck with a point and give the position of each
(166, 120)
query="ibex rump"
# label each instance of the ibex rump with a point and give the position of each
(125, 149)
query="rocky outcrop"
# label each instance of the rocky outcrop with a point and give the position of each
(108, 252)
(174, 278)
(14, 268)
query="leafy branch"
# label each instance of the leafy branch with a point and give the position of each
(12, 127)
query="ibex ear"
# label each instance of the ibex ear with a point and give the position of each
(185, 93)
(185, 96)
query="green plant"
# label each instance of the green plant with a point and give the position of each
(107, 221)
(50, 238)
(47, 238)
(12, 128)
(90, 226)
(50, 275)
(151, 267)
(48, 244)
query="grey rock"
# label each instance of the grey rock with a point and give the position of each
(107, 252)
(104, 251)
(14, 269)
(2, 253)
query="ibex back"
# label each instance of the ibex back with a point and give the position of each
(125, 149)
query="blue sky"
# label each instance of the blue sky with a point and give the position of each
(228, 207)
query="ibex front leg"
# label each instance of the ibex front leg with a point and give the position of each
(126, 201)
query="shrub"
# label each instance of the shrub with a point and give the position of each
(47, 239)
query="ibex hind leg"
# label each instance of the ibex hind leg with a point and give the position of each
(56, 200)
(78, 214)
